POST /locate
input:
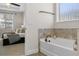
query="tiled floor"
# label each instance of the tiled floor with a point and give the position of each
(12, 50)
(38, 54)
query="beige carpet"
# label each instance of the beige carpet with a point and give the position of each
(15, 50)
(12, 50)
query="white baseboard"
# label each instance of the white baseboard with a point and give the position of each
(31, 52)
(46, 52)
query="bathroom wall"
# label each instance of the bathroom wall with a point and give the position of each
(34, 21)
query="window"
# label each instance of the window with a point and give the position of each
(67, 12)
(6, 21)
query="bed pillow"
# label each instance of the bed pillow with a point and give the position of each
(5, 36)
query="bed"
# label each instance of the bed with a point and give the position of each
(13, 38)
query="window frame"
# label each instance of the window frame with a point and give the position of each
(58, 14)
(6, 20)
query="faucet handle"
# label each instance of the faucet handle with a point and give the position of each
(75, 46)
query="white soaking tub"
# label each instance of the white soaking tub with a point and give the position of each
(57, 47)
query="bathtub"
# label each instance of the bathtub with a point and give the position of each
(57, 47)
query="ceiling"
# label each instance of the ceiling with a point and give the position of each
(13, 8)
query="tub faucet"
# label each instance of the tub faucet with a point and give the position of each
(46, 40)
(47, 37)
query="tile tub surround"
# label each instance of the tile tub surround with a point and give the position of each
(44, 32)
(62, 33)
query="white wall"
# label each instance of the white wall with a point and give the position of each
(18, 20)
(35, 20)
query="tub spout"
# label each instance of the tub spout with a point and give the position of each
(54, 36)
(45, 39)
